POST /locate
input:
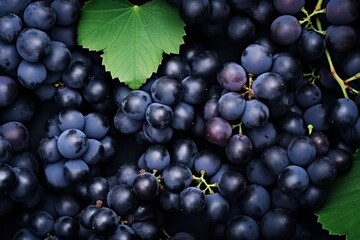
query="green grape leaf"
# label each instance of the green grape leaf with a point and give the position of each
(341, 213)
(133, 38)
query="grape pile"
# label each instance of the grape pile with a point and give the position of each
(235, 137)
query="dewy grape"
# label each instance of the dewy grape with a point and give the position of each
(235, 137)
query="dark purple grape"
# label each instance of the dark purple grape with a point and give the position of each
(231, 106)
(240, 29)
(194, 11)
(232, 76)
(9, 58)
(255, 201)
(122, 199)
(242, 227)
(288, 6)
(8, 91)
(343, 113)
(239, 149)
(146, 186)
(278, 223)
(39, 15)
(10, 27)
(168, 91)
(67, 11)
(293, 180)
(231, 185)
(269, 87)
(17, 134)
(8, 177)
(256, 59)
(195, 90)
(342, 12)
(176, 177)
(206, 65)
(159, 115)
(311, 45)
(256, 114)
(218, 130)
(174, 66)
(285, 30)
(192, 201)
(340, 37)
(216, 208)
(135, 103)
(33, 44)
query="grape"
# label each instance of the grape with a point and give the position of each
(239, 149)
(307, 95)
(194, 11)
(240, 29)
(159, 115)
(195, 90)
(256, 59)
(39, 15)
(183, 116)
(176, 177)
(242, 227)
(275, 159)
(168, 91)
(123, 232)
(66, 35)
(269, 87)
(110, 146)
(14, 6)
(67, 11)
(76, 170)
(262, 137)
(98, 188)
(48, 150)
(146, 186)
(169, 201)
(31, 74)
(174, 66)
(343, 113)
(210, 109)
(289, 67)
(219, 11)
(257, 173)
(25, 234)
(293, 123)
(182, 236)
(208, 161)
(76, 74)
(96, 125)
(263, 12)
(231, 185)
(321, 142)
(341, 158)
(33, 44)
(231, 106)
(8, 91)
(55, 174)
(191, 50)
(126, 174)
(256, 114)
(66, 227)
(58, 58)
(70, 118)
(205, 65)
(155, 135)
(156, 157)
(317, 116)
(218, 130)
(120, 92)
(192, 201)
(10, 58)
(301, 151)
(125, 124)
(10, 27)
(67, 205)
(288, 6)
(351, 63)
(147, 230)
(135, 103)
(72, 143)
(314, 197)
(322, 171)
(255, 201)
(25, 160)
(17, 134)
(241, 5)
(68, 97)
(122, 200)
(278, 223)
(8, 177)
(311, 45)
(45, 91)
(280, 200)
(342, 12)
(41, 223)
(26, 184)
(96, 90)
(85, 216)
(340, 38)
(216, 208)
(285, 30)
(184, 152)
(293, 180)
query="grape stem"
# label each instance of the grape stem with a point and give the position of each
(201, 180)
(239, 125)
(342, 83)
(310, 127)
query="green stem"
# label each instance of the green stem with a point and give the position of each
(353, 78)
(318, 5)
(310, 128)
(202, 181)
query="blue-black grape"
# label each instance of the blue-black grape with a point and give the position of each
(10, 27)
(275, 159)
(340, 37)
(41, 223)
(147, 230)
(70, 118)
(218, 130)
(255, 201)
(159, 115)
(288, 6)
(322, 171)
(166, 90)
(208, 161)
(281, 200)
(96, 125)
(39, 15)
(269, 87)
(256, 59)
(8, 90)
(195, 90)
(292, 123)
(21, 110)
(317, 116)
(33, 44)
(174, 66)
(72, 143)
(8, 177)
(239, 149)
(155, 135)
(67, 11)
(17, 134)
(176, 177)
(307, 95)
(26, 160)
(10, 58)
(67, 97)
(96, 90)
(219, 11)
(126, 174)
(26, 184)
(66, 227)
(5, 150)
(263, 12)
(76, 170)
(192, 201)
(169, 201)
(285, 30)
(55, 174)
(183, 116)
(278, 224)
(232, 76)
(262, 137)
(67, 205)
(126, 125)
(25, 234)
(341, 158)
(31, 74)
(351, 63)
(240, 29)
(85, 216)
(146, 186)
(123, 232)
(135, 103)
(257, 173)
(48, 150)
(231, 185)
(343, 113)
(311, 45)
(58, 58)
(216, 208)
(256, 114)
(293, 180)
(184, 152)
(76, 74)
(122, 199)
(66, 35)
(301, 151)
(98, 188)
(314, 197)
(341, 12)
(156, 157)
(205, 65)
(210, 109)
(242, 227)
(289, 67)
(231, 106)
(194, 11)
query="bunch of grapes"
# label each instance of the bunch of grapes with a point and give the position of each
(235, 137)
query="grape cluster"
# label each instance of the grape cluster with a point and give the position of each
(240, 133)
